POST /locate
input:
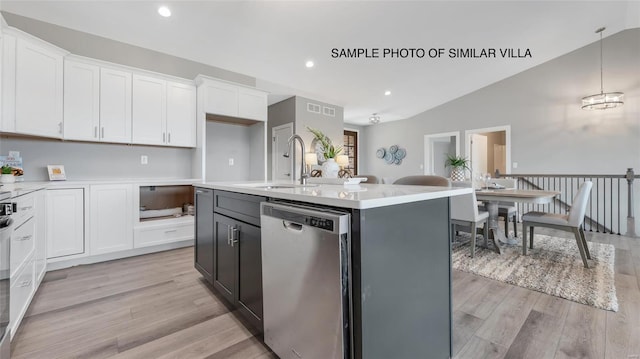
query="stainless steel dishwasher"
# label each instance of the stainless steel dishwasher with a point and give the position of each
(306, 281)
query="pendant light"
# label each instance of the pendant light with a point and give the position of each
(603, 100)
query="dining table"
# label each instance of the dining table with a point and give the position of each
(492, 198)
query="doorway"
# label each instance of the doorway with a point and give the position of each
(489, 149)
(436, 149)
(282, 168)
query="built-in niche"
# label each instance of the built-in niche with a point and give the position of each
(235, 149)
(165, 202)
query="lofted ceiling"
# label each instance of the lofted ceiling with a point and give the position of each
(272, 40)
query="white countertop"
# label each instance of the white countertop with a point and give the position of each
(25, 187)
(358, 196)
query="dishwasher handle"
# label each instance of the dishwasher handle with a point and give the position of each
(292, 226)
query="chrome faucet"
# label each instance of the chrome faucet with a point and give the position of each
(303, 169)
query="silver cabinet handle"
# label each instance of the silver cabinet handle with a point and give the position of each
(164, 137)
(95, 131)
(170, 231)
(26, 208)
(59, 127)
(24, 238)
(234, 239)
(102, 132)
(169, 137)
(228, 234)
(25, 283)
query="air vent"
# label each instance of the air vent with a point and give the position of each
(312, 107)
(329, 111)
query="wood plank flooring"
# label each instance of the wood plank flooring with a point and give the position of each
(158, 306)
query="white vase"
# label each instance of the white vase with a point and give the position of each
(457, 174)
(7, 178)
(330, 168)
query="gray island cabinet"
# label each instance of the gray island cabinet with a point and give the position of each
(400, 270)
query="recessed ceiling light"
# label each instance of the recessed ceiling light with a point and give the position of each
(309, 64)
(387, 93)
(164, 11)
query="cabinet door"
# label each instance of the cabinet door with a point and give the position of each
(65, 222)
(38, 90)
(221, 99)
(252, 104)
(8, 118)
(81, 101)
(249, 294)
(149, 110)
(204, 233)
(111, 218)
(225, 264)
(181, 115)
(115, 106)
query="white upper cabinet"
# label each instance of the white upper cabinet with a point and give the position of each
(38, 89)
(149, 110)
(181, 114)
(81, 101)
(227, 99)
(220, 98)
(115, 105)
(252, 104)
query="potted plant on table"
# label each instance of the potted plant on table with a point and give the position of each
(7, 174)
(330, 167)
(458, 165)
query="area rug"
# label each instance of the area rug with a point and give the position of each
(554, 267)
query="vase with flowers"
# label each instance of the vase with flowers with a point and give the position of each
(330, 167)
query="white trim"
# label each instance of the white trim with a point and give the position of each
(428, 153)
(357, 147)
(507, 131)
(273, 149)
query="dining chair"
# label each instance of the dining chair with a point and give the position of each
(424, 181)
(464, 211)
(571, 222)
(371, 179)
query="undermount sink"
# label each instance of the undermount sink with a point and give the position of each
(276, 185)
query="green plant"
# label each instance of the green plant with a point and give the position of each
(328, 149)
(457, 162)
(7, 170)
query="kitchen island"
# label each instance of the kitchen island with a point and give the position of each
(399, 282)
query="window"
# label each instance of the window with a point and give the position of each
(351, 150)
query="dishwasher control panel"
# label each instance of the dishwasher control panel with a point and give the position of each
(318, 222)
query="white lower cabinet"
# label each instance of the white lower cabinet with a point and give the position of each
(160, 233)
(111, 218)
(40, 201)
(65, 222)
(23, 286)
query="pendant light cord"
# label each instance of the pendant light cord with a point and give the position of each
(601, 81)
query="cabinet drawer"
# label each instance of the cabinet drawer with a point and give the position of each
(22, 243)
(150, 236)
(22, 287)
(240, 206)
(25, 208)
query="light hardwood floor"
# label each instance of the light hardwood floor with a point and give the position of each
(157, 306)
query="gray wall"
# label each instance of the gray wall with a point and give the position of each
(333, 127)
(84, 44)
(550, 133)
(224, 141)
(278, 114)
(83, 160)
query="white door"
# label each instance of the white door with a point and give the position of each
(38, 90)
(111, 218)
(81, 101)
(282, 168)
(181, 115)
(115, 106)
(149, 110)
(479, 153)
(65, 222)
